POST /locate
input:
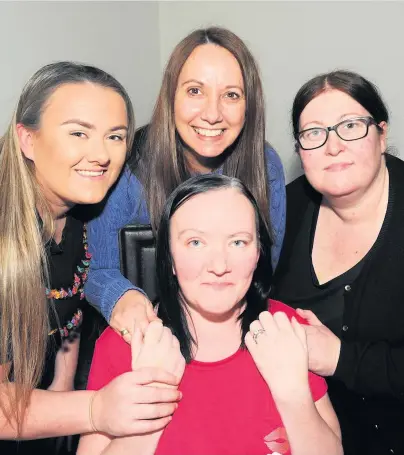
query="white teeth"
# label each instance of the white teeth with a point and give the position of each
(90, 173)
(210, 133)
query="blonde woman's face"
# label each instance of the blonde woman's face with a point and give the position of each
(209, 103)
(80, 147)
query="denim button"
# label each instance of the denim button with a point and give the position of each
(348, 288)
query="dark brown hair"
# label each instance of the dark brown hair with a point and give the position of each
(160, 164)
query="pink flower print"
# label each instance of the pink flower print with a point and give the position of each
(277, 441)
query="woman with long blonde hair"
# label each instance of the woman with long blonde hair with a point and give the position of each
(66, 145)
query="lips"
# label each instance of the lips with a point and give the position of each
(336, 167)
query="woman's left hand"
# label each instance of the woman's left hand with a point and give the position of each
(323, 346)
(279, 349)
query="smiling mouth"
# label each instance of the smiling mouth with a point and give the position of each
(208, 133)
(86, 173)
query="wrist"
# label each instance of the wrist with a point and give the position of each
(297, 395)
(91, 414)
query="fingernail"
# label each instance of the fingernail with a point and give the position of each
(180, 395)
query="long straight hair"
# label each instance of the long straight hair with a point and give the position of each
(161, 164)
(171, 308)
(23, 261)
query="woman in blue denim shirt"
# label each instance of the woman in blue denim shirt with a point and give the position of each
(209, 117)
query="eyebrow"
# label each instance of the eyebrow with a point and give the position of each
(183, 231)
(195, 81)
(90, 126)
(198, 231)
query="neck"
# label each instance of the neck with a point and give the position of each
(202, 164)
(361, 205)
(216, 336)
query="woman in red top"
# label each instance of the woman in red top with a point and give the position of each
(246, 388)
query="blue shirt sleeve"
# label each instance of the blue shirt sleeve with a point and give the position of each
(277, 206)
(105, 284)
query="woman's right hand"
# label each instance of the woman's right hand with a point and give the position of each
(132, 310)
(130, 404)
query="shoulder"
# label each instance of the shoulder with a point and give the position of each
(395, 166)
(273, 162)
(112, 356)
(274, 306)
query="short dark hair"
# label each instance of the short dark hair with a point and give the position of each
(171, 309)
(353, 84)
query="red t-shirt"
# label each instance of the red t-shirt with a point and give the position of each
(226, 408)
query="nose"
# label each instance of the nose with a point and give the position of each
(218, 263)
(98, 153)
(212, 112)
(334, 144)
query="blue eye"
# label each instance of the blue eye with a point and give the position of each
(195, 243)
(239, 243)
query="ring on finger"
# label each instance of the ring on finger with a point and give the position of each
(256, 334)
(124, 332)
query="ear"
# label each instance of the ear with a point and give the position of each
(26, 140)
(383, 136)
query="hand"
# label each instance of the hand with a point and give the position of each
(280, 353)
(158, 348)
(323, 346)
(133, 309)
(129, 405)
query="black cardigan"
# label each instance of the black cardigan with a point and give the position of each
(371, 363)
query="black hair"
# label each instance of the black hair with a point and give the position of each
(353, 84)
(171, 309)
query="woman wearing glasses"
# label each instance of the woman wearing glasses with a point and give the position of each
(343, 257)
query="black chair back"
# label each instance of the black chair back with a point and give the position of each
(137, 257)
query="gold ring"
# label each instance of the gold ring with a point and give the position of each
(124, 332)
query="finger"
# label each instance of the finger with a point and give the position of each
(136, 345)
(154, 332)
(146, 375)
(155, 410)
(282, 321)
(151, 311)
(150, 426)
(310, 317)
(166, 338)
(267, 321)
(149, 394)
(175, 342)
(255, 325)
(299, 331)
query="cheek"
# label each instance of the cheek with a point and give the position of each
(185, 109)
(244, 267)
(187, 267)
(235, 115)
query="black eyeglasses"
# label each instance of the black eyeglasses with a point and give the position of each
(348, 130)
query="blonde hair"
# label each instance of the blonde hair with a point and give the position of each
(24, 321)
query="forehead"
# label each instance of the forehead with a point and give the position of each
(87, 102)
(211, 62)
(330, 106)
(216, 212)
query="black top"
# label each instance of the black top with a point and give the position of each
(64, 260)
(325, 300)
(367, 389)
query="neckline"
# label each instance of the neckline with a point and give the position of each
(368, 255)
(216, 363)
